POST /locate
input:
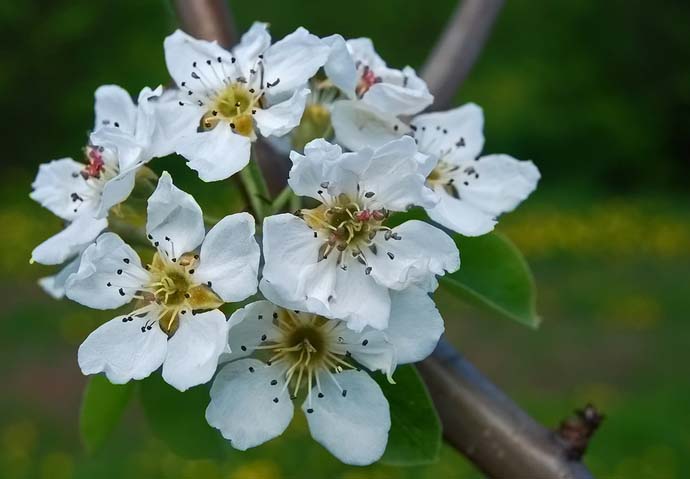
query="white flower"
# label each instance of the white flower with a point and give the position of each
(472, 190)
(293, 352)
(372, 89)
(176, 322)
(222, 95)
(82, 194)
(340, 259)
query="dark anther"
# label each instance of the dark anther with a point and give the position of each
(195, 76)
(156, 244)
(315, 234)
(275, 315)
(251, 369)
(119, 271)
(344, 393)
(208, 62)
(243, 347)
(261, 316)
(263, 337)
(310, 410)
(460, 143)
(180, 103)
(191, 271)
(117, 125)
(365, 342)
(273, 382)
(108, 284)
(121, 291)
(275, 400)
(124, 320)
(194, 64)
(209, 283)
(391, 255)
(232, 125)
(233, 60)
(445, 132)
(465, 183)
(126, 260)
(369, 194)
(367, 270)
(219, 59)
(395, 128)
(320, 395)
(187, 295)
(414, 128)
(269, 84)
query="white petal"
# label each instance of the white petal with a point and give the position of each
(340, 68)
(248, 326)
(69, 242)
(54, 185)
(243, 403)
(185, 54)
(458, 131)
(362, 50)
(496, 183)
(55, 285)
(461, 216)
(194, 349)
(325, 164)
(116, 190)
(173, 121)
(216, 154)
(123, 349)
(254, 42)
(393, 175)
(354, 427)
(397, 100)
(122, 146)
(415, 325)
(293, 60)
(109, 261)
(146, 117)
(370, 348)
(358, 299)
(358, 125)
(174, 222)
(282, 117)
(229, 258)
(423, 252)
(292, 268)
(114, 107)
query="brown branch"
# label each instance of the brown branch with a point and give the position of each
(489, 428)
(478, 419)
(207, 19)
(458, 47)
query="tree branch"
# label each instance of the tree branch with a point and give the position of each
(458, 47)
(478, 419)
(488, 427)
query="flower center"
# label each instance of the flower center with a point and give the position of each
(173, 289)
(307, 345)
(235, 104)
(367, 78)
(347, 224)
(101, 166)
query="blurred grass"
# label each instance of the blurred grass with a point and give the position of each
(596, 93)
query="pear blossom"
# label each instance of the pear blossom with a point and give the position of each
(278, 353)
(176, 321)
(340, 259)
(82, 193)
(224, 96)
(371, 89)
(473, 190)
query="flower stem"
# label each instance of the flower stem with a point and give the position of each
(255, 185)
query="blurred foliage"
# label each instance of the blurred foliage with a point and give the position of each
(596, 93)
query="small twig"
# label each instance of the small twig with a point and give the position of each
(458, 47)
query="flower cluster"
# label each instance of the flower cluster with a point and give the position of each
(345, 281)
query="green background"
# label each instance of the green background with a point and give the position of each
(597, 94)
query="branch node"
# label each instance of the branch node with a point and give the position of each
(575, 432)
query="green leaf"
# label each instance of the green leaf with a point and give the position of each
(102, 407)
(415, 435)
(494, 275)
(177, 418)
